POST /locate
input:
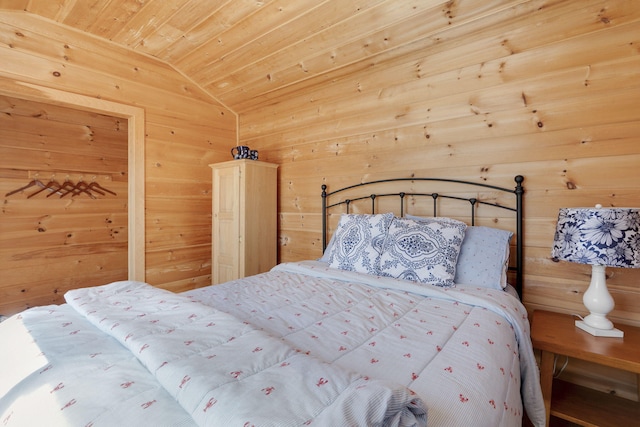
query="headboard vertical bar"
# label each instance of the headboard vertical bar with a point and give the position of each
(435, 204)
(473, 211)
(401, 204)
(519, 191)
(373, 204)
(324, 217)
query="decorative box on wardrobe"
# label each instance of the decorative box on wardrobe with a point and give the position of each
(245, 219)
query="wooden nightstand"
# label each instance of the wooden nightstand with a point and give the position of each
(556, 334)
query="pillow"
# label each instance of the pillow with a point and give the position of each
(358, 242)
(484, 258)
(484, 255)
(422, 252)
(428, 219)
(327, 251)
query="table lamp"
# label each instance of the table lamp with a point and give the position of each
(600, 237)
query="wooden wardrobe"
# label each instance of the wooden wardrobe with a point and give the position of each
(245, 219)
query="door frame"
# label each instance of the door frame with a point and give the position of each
(136, 165)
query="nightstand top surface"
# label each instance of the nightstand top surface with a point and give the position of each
(557, 333)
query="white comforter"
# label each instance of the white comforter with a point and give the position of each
(465, 352)
(222, 371)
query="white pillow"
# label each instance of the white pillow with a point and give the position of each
(358, 242)
(325, 256)
(422, 252)
(428, 219)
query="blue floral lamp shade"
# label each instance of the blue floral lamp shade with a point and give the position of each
(600, 237)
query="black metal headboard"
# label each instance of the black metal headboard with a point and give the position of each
(474, 202)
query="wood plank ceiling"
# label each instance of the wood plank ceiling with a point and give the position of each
(244, 52)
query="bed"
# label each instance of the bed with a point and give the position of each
(410, 317)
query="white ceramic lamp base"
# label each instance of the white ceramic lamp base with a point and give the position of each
(599, 303)
(615, 333)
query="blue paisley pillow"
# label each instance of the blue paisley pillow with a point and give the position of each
(358, 241)
(425, 253)
(484, 254)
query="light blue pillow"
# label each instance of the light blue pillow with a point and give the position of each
(422, 252)
(358, 241)
(484, 258)
(484, 255)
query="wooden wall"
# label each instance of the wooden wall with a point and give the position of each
(185, 130)
(548, 90)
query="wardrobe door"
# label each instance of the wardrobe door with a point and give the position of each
(226, 259)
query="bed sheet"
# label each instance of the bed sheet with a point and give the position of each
(465, 351)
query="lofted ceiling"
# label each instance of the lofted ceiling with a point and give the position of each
(245, 52)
